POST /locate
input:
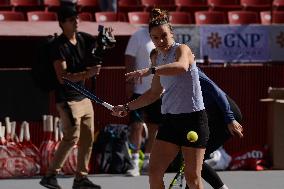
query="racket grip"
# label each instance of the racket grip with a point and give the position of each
(107, 105)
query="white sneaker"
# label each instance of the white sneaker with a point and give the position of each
(133, 172)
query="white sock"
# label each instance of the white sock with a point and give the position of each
(224, 187)
(135, 159)
(135, 156)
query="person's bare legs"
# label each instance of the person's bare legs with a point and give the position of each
(152, 131)
(136, 130)
(163, 153)
(193, 159)
(135, 139)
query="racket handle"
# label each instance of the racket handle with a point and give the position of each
(107, 105)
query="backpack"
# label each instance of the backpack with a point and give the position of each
(43, 72)
(111, 150)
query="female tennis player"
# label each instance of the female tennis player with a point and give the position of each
(176, 78)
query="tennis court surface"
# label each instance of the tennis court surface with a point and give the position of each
(234, 180)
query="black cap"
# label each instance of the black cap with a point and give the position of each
(66, 11)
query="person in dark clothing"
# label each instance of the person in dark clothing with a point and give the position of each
(223, 120)
(70, 55)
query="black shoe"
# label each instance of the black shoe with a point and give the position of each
(50, 182)
(84, 183)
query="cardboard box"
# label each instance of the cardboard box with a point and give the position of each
(275, 131)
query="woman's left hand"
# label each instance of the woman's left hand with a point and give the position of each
(235, 127)
(137, 75)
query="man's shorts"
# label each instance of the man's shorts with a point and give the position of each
(174, 129)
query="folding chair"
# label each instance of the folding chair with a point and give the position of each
(243, 17)
(12, 16)
(210, 17)
(41, 16)
(138, 17)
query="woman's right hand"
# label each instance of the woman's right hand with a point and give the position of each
(137, 75)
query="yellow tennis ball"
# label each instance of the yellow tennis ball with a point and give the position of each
(192, 136)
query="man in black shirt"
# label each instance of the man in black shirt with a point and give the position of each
(70, 54)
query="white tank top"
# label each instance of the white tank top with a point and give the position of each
(182, 92)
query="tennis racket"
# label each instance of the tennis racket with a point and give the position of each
(86, 93)
(177, 181)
